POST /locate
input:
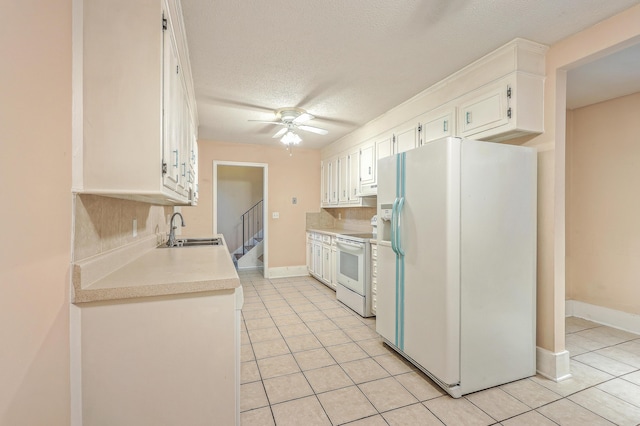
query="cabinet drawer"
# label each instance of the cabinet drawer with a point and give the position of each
(326, 239)
(317, 237)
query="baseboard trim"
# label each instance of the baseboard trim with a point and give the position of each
(553, 365)
(605, 316)
(288, 271)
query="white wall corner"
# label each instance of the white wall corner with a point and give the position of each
(605, 316)
(288, 271)
(553, 365)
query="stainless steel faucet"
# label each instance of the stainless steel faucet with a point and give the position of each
(172, 229)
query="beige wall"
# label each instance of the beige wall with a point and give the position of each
(35, 168)
(288, 176)
(615, 33)
(603, 207)
(239, 188)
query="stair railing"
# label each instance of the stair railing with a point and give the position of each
(252, 221)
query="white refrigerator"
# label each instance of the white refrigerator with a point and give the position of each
(457, 261)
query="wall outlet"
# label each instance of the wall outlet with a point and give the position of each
(135, 227)
(275, 215)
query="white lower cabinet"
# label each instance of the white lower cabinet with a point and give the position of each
(163, 360)
(334, 250)
(321, 257)
(309, 252)
(374, 277)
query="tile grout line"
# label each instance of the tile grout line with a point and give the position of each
(357, 385)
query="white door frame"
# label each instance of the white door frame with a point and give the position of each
(265, 206)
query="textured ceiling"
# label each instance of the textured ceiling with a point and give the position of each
(348, 61)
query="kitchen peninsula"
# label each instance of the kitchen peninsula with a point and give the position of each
(160, 335)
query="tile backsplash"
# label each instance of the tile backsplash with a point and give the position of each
(104, 223)
(352, 218)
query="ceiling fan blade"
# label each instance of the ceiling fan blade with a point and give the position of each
(280, 133)
(279, 123)
(303, 118)
(313, 129)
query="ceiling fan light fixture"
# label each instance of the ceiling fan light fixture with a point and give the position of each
(291, 138)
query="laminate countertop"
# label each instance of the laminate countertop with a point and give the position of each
(156, 272)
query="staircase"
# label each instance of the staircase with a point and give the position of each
(249, 254)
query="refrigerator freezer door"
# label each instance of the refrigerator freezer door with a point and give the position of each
(430, 235)
(386, 287)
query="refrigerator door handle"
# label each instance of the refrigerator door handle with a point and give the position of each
(399, 248)
(394, 224)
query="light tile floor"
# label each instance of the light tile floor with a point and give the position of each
(308, 360)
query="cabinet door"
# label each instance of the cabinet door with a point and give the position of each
(367, 162)
(171, 99)
(484, 110)
(324, 188)
(334, 281)
(343, 179)
(406, 138)
(437, 124)
(183, 129)
(317, 259)
(309, 253)
(324, 183)
(384, 146)
(326, 264)
(354, 177)
(333, 181)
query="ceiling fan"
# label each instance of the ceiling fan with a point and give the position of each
(292, 119)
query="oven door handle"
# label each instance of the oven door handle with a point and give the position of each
(351, 247)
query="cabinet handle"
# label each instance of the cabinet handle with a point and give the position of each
(344, 192)
(354, 191)
(175, 164)
(468, 117)
(445, 126)
(369, 170)
(184, 169)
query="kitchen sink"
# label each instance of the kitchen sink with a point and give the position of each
(195, 242)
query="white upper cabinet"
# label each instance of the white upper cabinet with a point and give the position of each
(496, 98)
(135, 127)
(367, 160)
(405, 137)
(507, 108)
(437, 124)
(353, 191)
(343, 179)
(384, 146)
(331, 181)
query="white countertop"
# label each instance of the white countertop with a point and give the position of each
(157, 272)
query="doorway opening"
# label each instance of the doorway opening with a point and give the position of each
(239, 213)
